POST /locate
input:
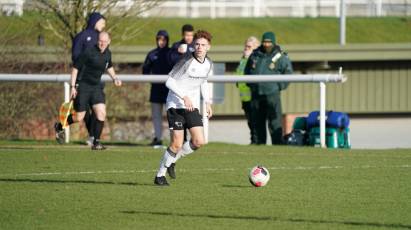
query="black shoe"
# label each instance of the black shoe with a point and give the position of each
(98, 146)
(171, 171)
(60, 134)
(156, 142)
(161, 181)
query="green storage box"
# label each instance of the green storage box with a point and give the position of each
(335, 137)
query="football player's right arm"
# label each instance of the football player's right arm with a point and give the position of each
(171, 83)
(176, 73)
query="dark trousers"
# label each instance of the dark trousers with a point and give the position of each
(246, 105)
(267, 109)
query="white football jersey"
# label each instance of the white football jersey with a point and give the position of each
(188, 78)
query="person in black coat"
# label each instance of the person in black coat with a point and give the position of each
(88, 37)
(82, 41)
(157, 62)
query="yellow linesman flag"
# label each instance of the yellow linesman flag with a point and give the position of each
(65, 110)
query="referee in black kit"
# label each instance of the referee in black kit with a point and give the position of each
(85, 85)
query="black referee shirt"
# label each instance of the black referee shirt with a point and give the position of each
(92, 64)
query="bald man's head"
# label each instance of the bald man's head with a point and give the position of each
(103, 41)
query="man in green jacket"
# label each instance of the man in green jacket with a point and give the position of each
(250, 44)
(268, 59)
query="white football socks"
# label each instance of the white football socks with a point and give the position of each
(185, 150)
(168, 158)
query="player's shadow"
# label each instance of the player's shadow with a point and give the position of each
(274, 219)
(90, 182)
(114, 143)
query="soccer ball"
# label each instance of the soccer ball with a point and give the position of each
(259, 176)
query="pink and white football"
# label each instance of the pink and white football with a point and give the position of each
(259, 176)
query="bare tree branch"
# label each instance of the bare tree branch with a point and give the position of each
(70, 15)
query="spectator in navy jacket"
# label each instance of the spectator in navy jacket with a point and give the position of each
(82, 41)
(157, 62)
(183, 46)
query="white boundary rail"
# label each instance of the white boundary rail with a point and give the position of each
(276, 8)
(322, 79)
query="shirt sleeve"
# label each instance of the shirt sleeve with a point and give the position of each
(147, 65)
(76, 47)
(247, 71)
(81, 60)
(179, 69)
(174, 55)
(288, 69)
(205, 92)
(110, 63)
(171, 83)
(211, 73)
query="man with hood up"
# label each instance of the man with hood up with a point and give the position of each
(157, 62)
(87, 38)
(268, 59)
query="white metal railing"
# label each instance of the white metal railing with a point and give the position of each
(278, 8)
(322, 79)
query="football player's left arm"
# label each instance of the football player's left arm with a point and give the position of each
(204, 94)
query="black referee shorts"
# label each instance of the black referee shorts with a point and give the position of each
(180, 119)
(88, 95)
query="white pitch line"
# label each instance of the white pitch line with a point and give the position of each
(206, 169)
(80, 173)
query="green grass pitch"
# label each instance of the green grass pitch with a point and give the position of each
(47, 186)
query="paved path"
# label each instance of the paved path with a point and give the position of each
(370, 133)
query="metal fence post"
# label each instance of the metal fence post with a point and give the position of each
(342, 22)
(67, 99)
(205, 121)
(322, 115)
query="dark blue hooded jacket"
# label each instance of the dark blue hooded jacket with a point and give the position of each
(86, 38)
(157, 62)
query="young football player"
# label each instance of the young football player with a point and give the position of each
(187, 81)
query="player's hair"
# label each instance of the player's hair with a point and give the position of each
(203, 34)
(187, 28)
(105, 32)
